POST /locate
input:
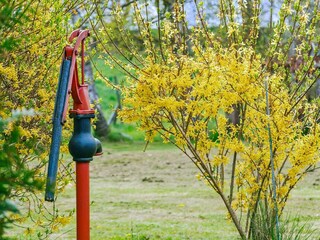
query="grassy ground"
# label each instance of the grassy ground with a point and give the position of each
(150, 195)
(155, 195)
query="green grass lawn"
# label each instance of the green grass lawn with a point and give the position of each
(149, 195)
(155, 195)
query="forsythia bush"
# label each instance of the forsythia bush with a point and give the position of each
(227, 101)
(187, 104)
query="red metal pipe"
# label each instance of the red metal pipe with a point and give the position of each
(83, 200)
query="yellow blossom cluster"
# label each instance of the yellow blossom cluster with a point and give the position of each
(211, 103)
(188, 101)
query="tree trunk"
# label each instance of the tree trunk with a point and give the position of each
(101, 126)
(114, 115)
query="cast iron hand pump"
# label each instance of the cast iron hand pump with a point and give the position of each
(82, 146)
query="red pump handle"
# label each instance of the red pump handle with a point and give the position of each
(81, 36)
(73, 35)
(79, 92)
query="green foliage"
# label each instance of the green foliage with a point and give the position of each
(14, 174)
(9, 17)
(264, 228)
(298, 230)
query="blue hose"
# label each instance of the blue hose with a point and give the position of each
(57, 130)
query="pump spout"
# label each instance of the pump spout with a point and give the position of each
(99, 148)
